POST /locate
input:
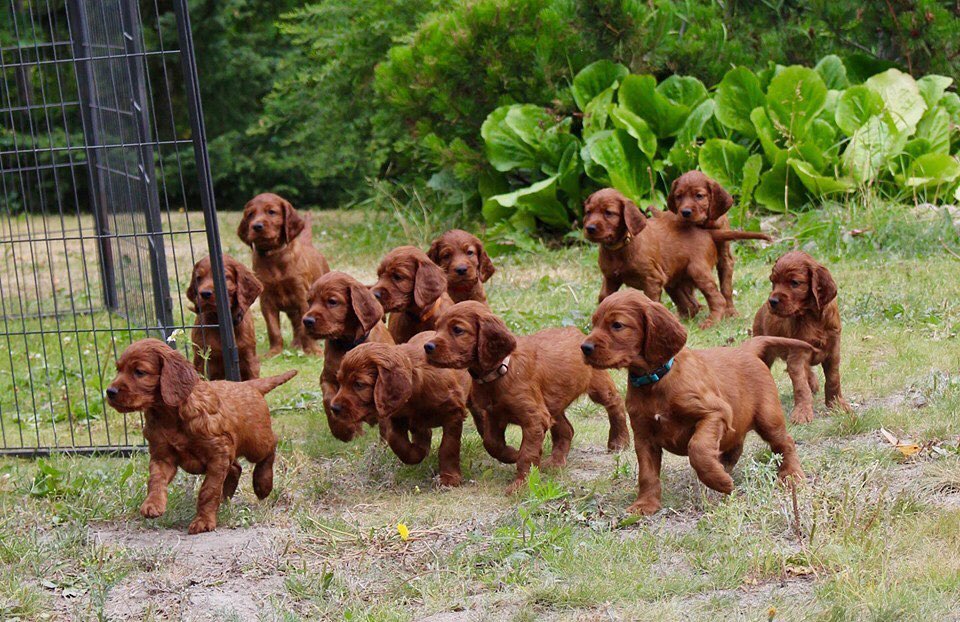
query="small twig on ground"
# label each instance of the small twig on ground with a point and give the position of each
(797, 529)
(949, 250)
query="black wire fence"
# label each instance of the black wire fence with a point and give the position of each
(101, 145)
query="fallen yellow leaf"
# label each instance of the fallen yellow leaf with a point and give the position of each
(403, 531)
(908, 449)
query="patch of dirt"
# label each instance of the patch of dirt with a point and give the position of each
(211, 576)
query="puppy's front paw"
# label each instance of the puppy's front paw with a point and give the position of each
(731, 311)
(618, 443)
(152, 508)
(202, 524)
(274, 351)
(516, 486)
(801, 414)
(841, 404)
(707, 323)
(451, 480)
(645, 507)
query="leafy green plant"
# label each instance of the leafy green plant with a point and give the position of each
(786, 139)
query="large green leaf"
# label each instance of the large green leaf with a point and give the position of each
(935, 128)
(594, 79)
(538, 200)
(636, 127)
(723, 160)
(856, 105)
(505, 149)
(819, 185)
(597, 111)
(870, 147)
(626, 166)
(932, 88)
(640, 95)
(951, 101)
(794, 99)
(833, 72)
(779, 189)
(931, 170)
(684, 90)
(751, 177)
(737, 95)
(901, 97)
(766, 133)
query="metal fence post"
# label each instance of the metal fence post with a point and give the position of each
(231, 358)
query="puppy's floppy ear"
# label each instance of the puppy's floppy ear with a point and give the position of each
(720, 200)
(663, 334)
(494, 341)
(244, 225)
(249, 288)
(823, 288)
(293, 223)
(633, 218)
(486, 265)
(177, 377)
(434, 251)
(394, 385)
(192, 288)
(672, 196)
(365, 306)
(429, 284)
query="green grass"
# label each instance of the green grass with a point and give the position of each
(871, 536)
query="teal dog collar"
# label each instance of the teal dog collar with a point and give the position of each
(651, 378)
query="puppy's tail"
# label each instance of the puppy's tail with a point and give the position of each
(265, 385)
(727, 235)
(768, 348)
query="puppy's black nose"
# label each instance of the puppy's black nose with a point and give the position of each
(377, 294)
(429, 347)
(336, 408)
(308, 321)
(686, 213)
(587, 348)
(206, 294)
(112, 392)
(461, 270)
(258, 226)
(774, 301)
(591, 229)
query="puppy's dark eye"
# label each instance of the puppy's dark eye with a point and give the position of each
(139, 373)
(616, 326)
(396, 277)
(794, 283)
(701, 195)
(272, 212)
(359, 386)
(457, 330)
(470, 253)
(609, 213)
(332, 302)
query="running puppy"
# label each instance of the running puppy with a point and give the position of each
(803, 305)
(201, 427)
(527, 381)
(395, 386)
(413, 290)
(345, 313)
(696, 403)
(285, 261)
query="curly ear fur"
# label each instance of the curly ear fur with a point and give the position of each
(663, 335)
(494, 341)
(394, 386)
(486, 265)
(192, 288)
(429, 284)
(248, 288)
(244, 225)
(720, 200)
(177, 377)
(434, 251)
(365, 306)
(823, 289)
(633, 218)
(671, 196)
(293, 223)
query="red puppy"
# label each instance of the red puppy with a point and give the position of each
(201, 427)
(803, 305)
(285, 261)
(396, 386)
(467, 266)
(527, 381)
(243, 289)
(346, 314)
(413, 290)
(696, 403)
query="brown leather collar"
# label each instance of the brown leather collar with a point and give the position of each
(498, 372)
(615, 247)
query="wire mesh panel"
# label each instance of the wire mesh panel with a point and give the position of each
(106, 206)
